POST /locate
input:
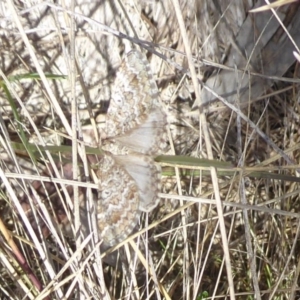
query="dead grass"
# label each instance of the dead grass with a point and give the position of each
(230, 87)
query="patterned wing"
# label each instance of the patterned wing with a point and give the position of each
(118, 202)
(128, 185)
(135, 120)
(133, 95)
(146, 174)
(148, 138)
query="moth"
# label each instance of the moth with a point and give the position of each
(135, 131)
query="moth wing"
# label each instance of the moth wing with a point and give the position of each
(133, 95)
(147, 138)
(118, 202)
(146, 173)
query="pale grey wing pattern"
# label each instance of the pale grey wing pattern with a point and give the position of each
(118, 202)
(146, 174)
(133, 95)
(135, 120)
(148, 138)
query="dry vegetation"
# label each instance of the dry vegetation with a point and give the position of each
(220, 231)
